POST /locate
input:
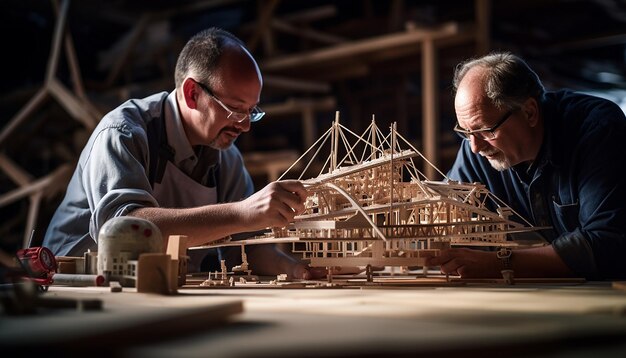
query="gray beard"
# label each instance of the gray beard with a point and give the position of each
(217, 146)
(215, 143)
(499, 165)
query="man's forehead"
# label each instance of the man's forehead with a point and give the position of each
(471, 98)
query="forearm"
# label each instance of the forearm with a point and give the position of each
(531, 262)
(539, 262)
(201, 225)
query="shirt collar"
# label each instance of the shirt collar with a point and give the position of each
(176, 136)
(552, 150)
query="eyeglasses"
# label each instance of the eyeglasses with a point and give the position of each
(255, 114)
(483, 133)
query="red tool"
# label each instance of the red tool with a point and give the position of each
(39, 263)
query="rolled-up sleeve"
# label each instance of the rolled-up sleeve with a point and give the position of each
(114, 175)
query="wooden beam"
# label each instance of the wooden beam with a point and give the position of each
(70, 54)
(21, 116)
(294, 84)
(310, 15)
(306, 108)
(62, 173)
(59, 28)
(71, 103)
(296, 105)
(15, 173)
(306, 16)
(332, 73)
(129, 42)
(263, 24)
(307, 33)
(358, 48)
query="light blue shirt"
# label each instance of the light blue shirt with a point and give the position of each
(111, 178)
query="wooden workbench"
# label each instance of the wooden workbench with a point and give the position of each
(472, 320)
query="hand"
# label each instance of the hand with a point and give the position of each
(467, 263)
(271, 260)
(303, 271)
(273, 206)
(307, 272)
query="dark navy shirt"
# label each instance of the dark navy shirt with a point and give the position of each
(577, 184)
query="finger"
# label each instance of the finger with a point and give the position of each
(316, 273)
(284, 213)
(463, 271)
(347, 270)
(293, 201)
(438, 260)
(432, 261)
(450, 267)
(282, 193)
(296, 187)
(301, 272)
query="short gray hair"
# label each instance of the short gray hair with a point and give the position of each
(201, 54)
(509, 79)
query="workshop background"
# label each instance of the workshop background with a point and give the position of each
(65, 64)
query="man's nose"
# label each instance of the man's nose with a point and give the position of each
(243, 126)
(476, 144)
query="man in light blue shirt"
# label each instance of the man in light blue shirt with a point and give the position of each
(170, 159)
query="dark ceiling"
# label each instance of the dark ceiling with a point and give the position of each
(573, 38)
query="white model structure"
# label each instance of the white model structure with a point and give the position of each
(372, 206)
(121, 241)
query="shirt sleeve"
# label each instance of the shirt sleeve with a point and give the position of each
(596, 246)
(114, 174)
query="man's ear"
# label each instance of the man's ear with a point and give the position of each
(531, 111)
(190, 93)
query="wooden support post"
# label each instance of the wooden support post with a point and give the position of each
(483, 25)
(430, 103)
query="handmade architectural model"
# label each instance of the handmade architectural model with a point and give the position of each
(121, 241)
(370, 205)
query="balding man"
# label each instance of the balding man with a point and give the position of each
(169, 158)
(557, 158)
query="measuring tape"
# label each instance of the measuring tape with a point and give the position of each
(39, 263)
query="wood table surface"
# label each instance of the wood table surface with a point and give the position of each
(470, 320)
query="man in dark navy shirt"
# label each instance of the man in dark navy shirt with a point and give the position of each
(557, 158)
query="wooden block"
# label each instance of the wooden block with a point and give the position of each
(153, 273)
(66, 267)
(177, 249)
(70, 265)
(177, 246)
(115, 286)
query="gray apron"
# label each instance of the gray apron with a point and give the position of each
(177, 190)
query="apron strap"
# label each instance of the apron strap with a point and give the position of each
(157, 143)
